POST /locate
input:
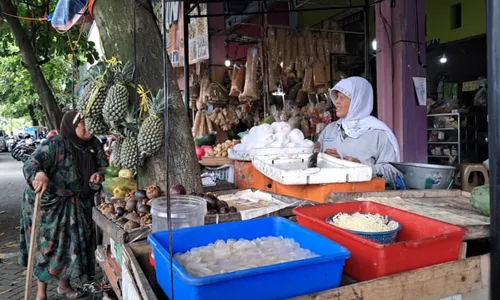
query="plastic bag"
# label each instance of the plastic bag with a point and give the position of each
(319, 75)
(109, 184)
(272, 46)
(481, 97)
(250, 92)
(237, 81)
(308, 84)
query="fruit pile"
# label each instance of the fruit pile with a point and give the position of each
(221, 150)
(132, 211)
(214, 205)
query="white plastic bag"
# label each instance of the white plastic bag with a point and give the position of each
(281, 127)
(296, 136)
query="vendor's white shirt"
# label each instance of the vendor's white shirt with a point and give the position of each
(372, 148)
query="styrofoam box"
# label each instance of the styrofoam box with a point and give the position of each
(293, 170)
(249, 155)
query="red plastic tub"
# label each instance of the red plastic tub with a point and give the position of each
(421, 242)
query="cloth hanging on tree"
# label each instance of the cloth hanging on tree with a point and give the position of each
(68, 13)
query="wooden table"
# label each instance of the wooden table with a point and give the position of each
(468, 277)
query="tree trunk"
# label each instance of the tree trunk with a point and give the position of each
(47, 99)
(115, 22)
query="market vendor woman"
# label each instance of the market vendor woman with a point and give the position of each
(357, 136)
(65, 170)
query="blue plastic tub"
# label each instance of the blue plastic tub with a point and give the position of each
(277, 281)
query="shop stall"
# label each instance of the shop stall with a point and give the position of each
(278, 93)
(435, 275)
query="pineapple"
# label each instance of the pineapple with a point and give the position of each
(151, 132)
(91, 101)
(117, 98)
(129, 152)
(115, 152)
(96, 125)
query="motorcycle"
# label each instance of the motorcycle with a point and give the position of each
(22, 150)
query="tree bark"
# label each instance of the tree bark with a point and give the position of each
(116, 27)
(47, 99)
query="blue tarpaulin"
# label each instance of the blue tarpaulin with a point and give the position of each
(67, 14)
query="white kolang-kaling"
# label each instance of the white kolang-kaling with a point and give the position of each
(233, 255)
(363, 222)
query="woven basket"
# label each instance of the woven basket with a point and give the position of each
(217, 94)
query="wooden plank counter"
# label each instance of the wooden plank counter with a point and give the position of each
(468, 277)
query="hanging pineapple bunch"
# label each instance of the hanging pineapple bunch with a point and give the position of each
(117, 98)
(129, 150)
(151, 132)
(91, 101)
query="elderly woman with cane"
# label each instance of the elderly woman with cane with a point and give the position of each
(65, 171)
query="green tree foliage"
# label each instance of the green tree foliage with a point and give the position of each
(54, 53)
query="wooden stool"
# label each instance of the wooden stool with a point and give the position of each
(465, 171)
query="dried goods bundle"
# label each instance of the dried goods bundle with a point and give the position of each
(237, 81)
(217, 94)
(250, 91)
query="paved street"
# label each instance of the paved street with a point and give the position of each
(11, 190)
(12, 185)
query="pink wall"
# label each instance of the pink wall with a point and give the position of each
(235, 51)
(397, 64)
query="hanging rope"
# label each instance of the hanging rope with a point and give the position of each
(74, 46)
(165, 118)
(40, 19)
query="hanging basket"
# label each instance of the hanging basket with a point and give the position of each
(217, 94)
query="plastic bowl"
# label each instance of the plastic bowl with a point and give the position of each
(426, 176)
(186, 211)
(384, 237)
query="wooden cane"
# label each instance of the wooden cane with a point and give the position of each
(35, 224)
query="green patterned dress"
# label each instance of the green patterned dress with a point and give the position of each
(66, 239)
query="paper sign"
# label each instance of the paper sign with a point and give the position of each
(421, 89)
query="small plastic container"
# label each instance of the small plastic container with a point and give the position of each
(187, 211)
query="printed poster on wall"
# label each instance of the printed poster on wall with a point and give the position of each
(198, 32)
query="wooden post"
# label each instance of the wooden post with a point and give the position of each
(35, 224)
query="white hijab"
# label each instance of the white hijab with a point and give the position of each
(359, 119)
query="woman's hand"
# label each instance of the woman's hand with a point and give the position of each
(40, 183)
(350, 158)
(332, 152)
(96, 178)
